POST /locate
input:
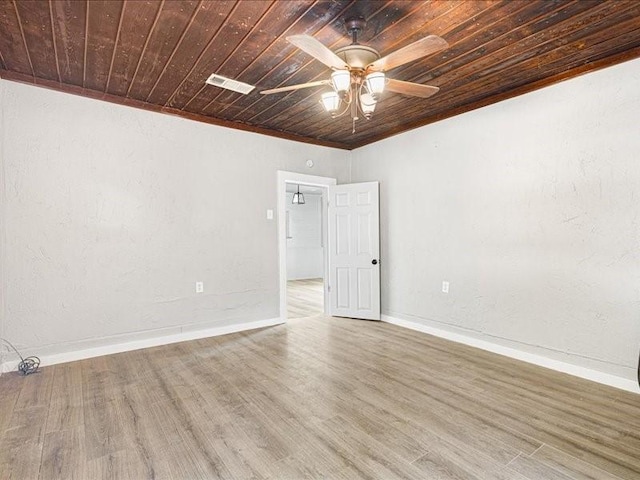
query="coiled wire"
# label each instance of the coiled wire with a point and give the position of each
(27, 365)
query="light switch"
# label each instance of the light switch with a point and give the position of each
(269, 214)
(445, 287)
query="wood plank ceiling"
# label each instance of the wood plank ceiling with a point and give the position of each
(158, 54)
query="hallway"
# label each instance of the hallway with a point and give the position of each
(304, 298)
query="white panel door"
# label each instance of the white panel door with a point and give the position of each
(354, 250)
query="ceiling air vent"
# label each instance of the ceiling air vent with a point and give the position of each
(230, 84)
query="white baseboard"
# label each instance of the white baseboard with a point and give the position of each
(119, 346)
(577, 371)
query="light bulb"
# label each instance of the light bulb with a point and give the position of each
(330, 101)
(375, 83)
(367, 104)
(341, 80)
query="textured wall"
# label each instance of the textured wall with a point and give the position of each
(114, 213)
(529, 208)
(305, 254)
(2, 224)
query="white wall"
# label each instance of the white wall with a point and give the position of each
(530, 209)
(2, 226)
(305, 253)
(113, 213)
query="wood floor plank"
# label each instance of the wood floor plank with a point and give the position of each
(595, 443)
(63, 455)
(184, 426)
(23, 437)
(369, 456)
(531, 468)
(11, 384)
(305, 298)
(216, 432)
(23, 440)
(383, 382)
(230, 423)
(65, 408)
(395, 433)
(141, 432)
(613, 456)
(569, 465)
(36, 389)
(116, 465)
(593, 419)
(318, 397)
(312, 452)
(104, 435)
(446, 461)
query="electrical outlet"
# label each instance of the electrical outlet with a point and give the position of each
(199, 287)
(445, 287)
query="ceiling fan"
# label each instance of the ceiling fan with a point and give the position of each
(358, 77)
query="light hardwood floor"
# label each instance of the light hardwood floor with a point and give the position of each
(305, 298)
(314, 398)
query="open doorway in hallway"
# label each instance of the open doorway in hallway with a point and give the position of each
(305, 238)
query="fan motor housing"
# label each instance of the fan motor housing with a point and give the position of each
(358, 56)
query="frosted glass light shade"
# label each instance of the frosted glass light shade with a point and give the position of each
(367, 104)
(330, 101)
(341, 80)
(375, 83)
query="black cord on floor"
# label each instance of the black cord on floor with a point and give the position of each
(27, 365)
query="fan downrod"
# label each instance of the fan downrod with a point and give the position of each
(354, 25)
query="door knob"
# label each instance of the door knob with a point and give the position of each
(374, 261)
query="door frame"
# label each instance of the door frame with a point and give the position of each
(285, 177)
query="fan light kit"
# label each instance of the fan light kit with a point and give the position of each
(358, 78)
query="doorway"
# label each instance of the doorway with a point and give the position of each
(350, 232)
(302, 229)
(305, 207)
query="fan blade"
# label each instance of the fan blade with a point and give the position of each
(409, 88)
(295, 87)
(413, 51)
(317, 50)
